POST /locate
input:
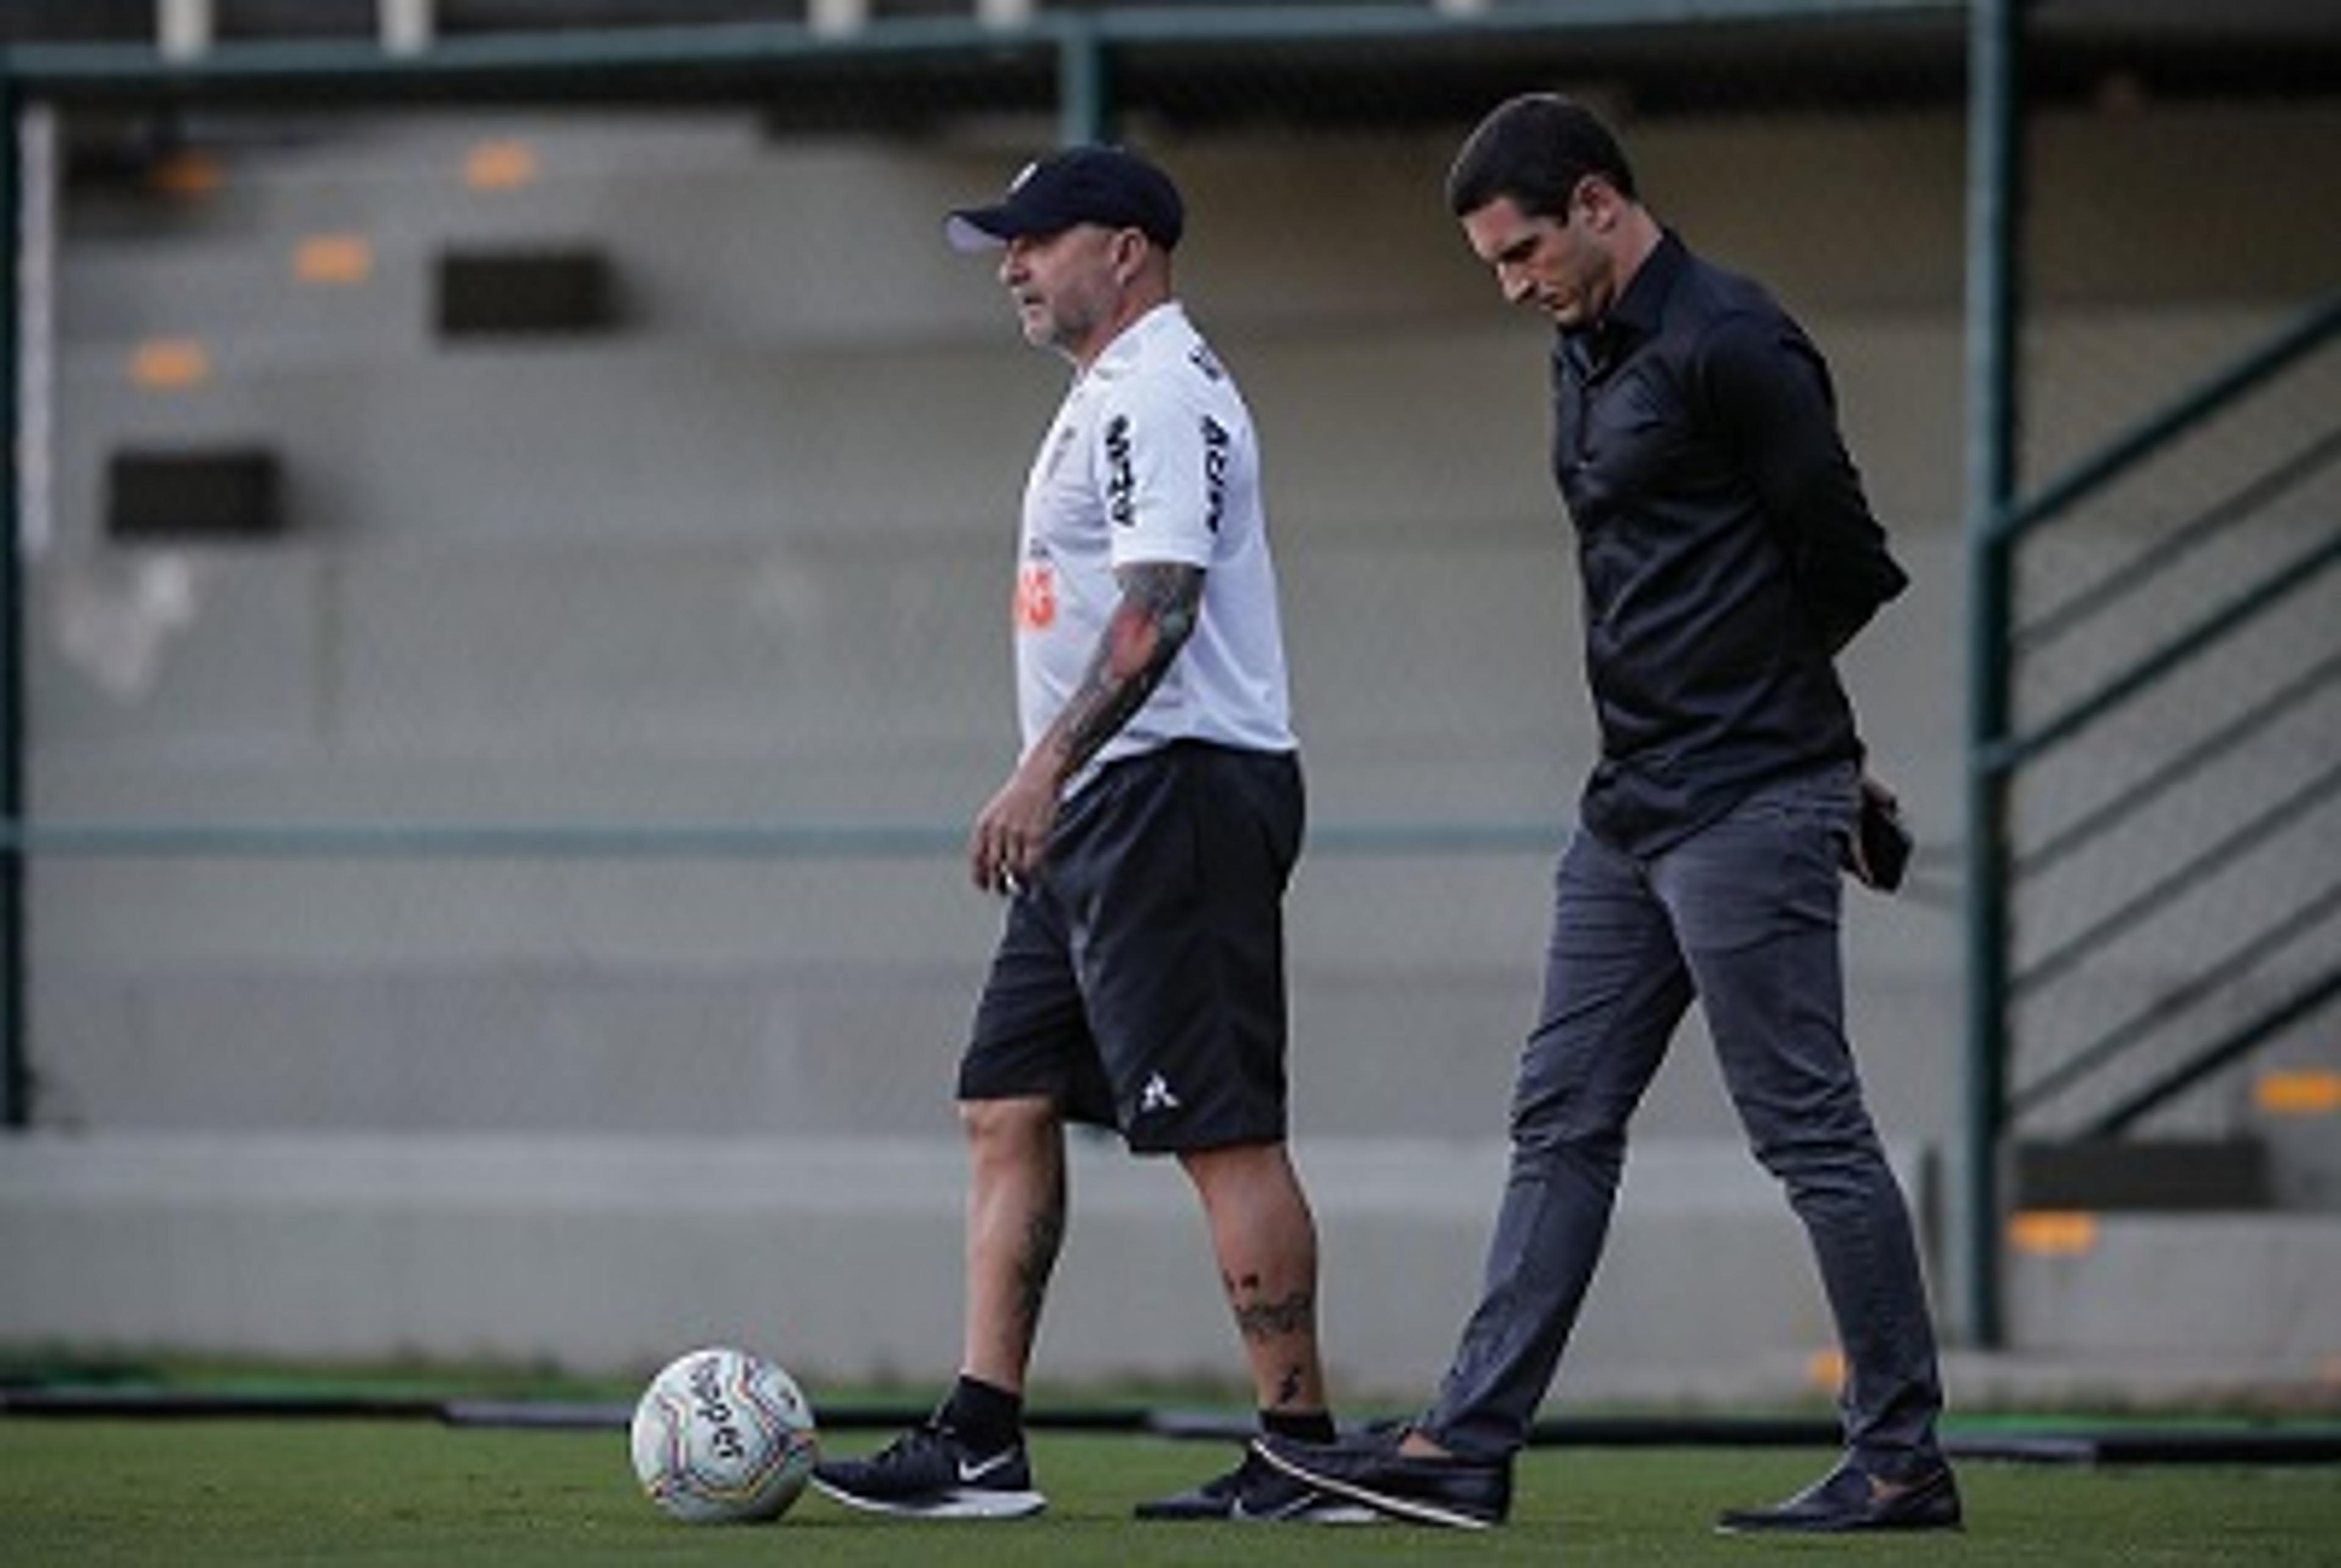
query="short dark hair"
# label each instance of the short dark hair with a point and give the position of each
(1535, 148)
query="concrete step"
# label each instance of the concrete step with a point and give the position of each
(2143, 1173)
(2191, 1289)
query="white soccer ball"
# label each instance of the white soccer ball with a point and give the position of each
(723, 1436)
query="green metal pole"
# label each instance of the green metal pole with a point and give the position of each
(15, 1076)
(1995, 195)
(1084, 86)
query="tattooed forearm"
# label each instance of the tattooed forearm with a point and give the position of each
(1159, 601)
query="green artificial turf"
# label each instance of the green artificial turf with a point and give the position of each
(258, 1492)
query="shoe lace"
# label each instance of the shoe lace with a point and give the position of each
(918, 1446)
(1257, 1483)
(1231, 1484)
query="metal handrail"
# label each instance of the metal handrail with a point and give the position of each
(2254, 497)
(2238, 1045)
(2236, 613)
(2303, 336)
(348, 840)
(2250, 836)
(1999, 523)
(2211, 748)
(2203, 983)
(513, 65)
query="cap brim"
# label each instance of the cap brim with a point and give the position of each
(976, 229)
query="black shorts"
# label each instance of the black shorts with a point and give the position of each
(1139, 979)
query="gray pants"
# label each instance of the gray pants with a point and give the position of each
(1743, 915)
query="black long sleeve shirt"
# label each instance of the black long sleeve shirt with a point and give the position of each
(1726, 548)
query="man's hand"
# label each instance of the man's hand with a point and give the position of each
(1159, 602)
(1878, 853)
(1011, 832)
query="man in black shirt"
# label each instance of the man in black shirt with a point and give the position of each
(1727, 553)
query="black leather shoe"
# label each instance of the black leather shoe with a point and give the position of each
(1459, 1492)
(1847, 1500)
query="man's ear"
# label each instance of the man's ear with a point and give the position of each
(1604, 204)
(1129, 248)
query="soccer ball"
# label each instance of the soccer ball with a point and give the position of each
(723, 1436)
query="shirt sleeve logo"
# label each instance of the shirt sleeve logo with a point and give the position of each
(1121, 480)
(1217, 447)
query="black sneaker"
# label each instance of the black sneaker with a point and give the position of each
(1256, 1491)
(1459, 1492)
(1846, 1500)
(930, 1473)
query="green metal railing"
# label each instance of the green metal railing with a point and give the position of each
(2000, 753)
(1995, 175)
(15, 1089)
(1083, 42)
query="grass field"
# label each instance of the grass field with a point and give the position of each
(105, 1491)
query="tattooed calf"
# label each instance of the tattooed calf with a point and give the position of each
(1260, 1321)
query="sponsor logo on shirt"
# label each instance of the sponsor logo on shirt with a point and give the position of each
(1036, 595)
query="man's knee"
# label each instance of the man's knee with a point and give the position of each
(1827, 1155)
(1252, 1194)
(1571, 1128)
(1005, 1126)
(1253, 1169)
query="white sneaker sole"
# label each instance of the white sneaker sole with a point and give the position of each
(965, 1503)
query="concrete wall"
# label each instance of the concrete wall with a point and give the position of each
(743, 563)
(842, 1258)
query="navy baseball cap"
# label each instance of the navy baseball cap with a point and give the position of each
(1108, 185)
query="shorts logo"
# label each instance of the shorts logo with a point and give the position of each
(1121, 480)
(1156, 1097)
(1216, 445)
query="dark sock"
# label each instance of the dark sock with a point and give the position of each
(987, 1416)
(1313, 1427)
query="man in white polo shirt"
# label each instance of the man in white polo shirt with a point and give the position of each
(1143, 842)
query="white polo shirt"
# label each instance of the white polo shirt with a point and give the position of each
(1152, 458)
